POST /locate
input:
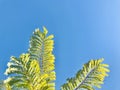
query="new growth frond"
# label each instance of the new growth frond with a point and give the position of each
(41, 49)
(35, 69)
(92, 75)
(26, 74)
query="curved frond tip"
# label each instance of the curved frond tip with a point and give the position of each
(41, 49)
(34, 70)
(91, 75)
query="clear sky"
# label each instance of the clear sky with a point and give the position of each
(83, 29)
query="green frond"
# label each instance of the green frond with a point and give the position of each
(41, 47)
(26, 74)
(35, 69)
(92, 75)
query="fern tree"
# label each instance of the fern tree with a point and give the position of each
(34, 70)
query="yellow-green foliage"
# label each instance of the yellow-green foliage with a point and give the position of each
(41, 47)
(91, 75)
(34, 70)
(26, 74)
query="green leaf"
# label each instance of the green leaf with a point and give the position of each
(92, 75)
(28, 77)
(41, 47)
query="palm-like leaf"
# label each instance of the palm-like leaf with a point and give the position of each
(92, 75)
(41, 47)
(26, 74)
(35, 70)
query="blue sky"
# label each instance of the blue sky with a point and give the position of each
(83, 29)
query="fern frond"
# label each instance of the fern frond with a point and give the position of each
(92, 75)
(26, 74)
(41, 47)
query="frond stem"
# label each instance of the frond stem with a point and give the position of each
(85, 78)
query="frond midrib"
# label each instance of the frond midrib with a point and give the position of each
(92, 70)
